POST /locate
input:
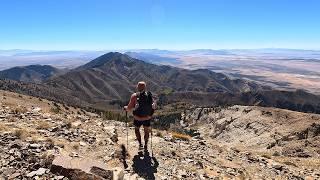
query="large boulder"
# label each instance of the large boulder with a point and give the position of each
(80, 168)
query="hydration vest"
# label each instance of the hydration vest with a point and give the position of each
(144, 104)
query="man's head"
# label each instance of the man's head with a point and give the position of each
(141, 86)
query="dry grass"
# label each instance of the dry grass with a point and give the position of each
(299, 162)
(264, 154)
(43, 125)
(60, 143)
(13, 99)
(8, 103)
(3, 128)
(36, 137)
(267, 156)
(290, 163)
(21, 133)
(180, 136)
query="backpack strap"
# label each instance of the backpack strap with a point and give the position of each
(150, 95)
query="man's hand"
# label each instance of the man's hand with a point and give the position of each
(154, 105)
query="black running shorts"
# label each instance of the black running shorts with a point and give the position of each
(146, 123)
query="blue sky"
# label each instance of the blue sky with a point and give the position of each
(166, 24)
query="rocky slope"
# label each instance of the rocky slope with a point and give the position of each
(43, 139)
(288, 133)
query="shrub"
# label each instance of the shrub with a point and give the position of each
(180, 136)
(50, 142)
(20, 133)
(159, 134)
(55, 109)
(60, 144)
(20, 110)
(276, 153)
(110, 115)
(290, 163)
(266, 156)
(67, 125)
(75, 145)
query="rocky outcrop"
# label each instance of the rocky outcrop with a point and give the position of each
(80, 168)
(263, 128)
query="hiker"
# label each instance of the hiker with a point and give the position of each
(143, 107)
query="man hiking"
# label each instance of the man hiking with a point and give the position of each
(143, 107)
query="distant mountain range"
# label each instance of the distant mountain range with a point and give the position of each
(111, 78)
(154, 59)
(275, 52)
(73, 58)
(58, 59)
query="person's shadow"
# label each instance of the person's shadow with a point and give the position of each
(144, 165)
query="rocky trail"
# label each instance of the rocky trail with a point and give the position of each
(40, 139)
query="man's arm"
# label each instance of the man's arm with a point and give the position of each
(132, 103)
(154, 103)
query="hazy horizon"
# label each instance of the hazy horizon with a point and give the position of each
(159, 49)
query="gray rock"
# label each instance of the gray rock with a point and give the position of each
(58, 177)
(34, 146)
(39, 172)
(14, 175)
(277, 167)
(118, 173)
(106, 174)
(84, 168)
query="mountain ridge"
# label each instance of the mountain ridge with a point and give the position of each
(31, 73)
(109, 80)
(121, 71)
(102, 60)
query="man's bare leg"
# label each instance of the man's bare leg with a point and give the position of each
(146, 136)
(138, 135)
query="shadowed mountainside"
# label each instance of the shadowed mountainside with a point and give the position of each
(32, 73)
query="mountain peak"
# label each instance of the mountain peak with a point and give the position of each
(106, 58)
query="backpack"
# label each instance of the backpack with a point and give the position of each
(144, 104)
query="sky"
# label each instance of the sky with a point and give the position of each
(161, 24)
